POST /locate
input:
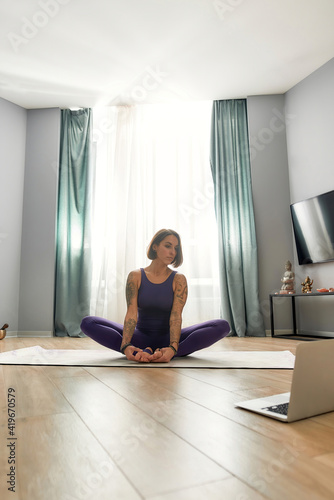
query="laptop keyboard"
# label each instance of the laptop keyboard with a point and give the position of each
(282, 409)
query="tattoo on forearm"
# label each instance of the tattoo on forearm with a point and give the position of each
(174, 334)
(175, 320)
(129, 328)
(175, 323)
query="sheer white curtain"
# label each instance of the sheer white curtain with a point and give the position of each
(153, 172)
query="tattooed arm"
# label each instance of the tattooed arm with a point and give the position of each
(180, 299)
(130, 321)
(175, 320)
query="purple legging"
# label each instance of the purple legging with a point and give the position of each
(193, 338)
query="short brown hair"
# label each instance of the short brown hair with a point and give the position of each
(157, 239)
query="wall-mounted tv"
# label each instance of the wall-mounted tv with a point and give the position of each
(313, 226)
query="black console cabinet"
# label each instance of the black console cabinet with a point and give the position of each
(294, 297)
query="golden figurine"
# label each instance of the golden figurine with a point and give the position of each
(307, 285)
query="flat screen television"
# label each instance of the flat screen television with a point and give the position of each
(313, 227)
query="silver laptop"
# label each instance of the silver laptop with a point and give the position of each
(312, 388)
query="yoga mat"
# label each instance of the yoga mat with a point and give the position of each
(201, 359)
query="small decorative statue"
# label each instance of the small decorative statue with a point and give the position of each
(288, 279)
(307, 285)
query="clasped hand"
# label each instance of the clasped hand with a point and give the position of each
(163, 355)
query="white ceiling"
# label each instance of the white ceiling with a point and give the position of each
(85, 53)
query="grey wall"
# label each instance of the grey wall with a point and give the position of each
(294, 156)
(29, 152)
(292, 159)
(13, 121)
(310, 140)
(38, 224)
(271, 197)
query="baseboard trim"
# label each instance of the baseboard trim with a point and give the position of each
(11, 334)
(303, 333)
(316, 333)
(29, 334)
(279, 332)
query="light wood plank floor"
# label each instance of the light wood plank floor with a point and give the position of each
(163, 434)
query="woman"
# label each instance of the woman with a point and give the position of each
(155, 299)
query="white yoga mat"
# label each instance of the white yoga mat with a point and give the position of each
(201, 359)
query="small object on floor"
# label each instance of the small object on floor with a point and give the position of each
(3, 331)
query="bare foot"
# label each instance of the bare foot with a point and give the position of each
(143, 357)
(164, 355)
(156, 355)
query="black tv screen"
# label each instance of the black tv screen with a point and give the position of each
(313, 226)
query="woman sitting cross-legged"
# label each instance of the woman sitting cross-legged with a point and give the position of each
(155, 299)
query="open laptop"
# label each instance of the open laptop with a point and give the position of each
(312, 388)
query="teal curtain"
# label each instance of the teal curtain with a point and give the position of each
(73, 255)
(230, 166)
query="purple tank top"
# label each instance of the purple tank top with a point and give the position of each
(155, 303)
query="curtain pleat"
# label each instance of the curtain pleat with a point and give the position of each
(230, 166)
(73, 246)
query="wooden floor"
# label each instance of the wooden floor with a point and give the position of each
(163, 434)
